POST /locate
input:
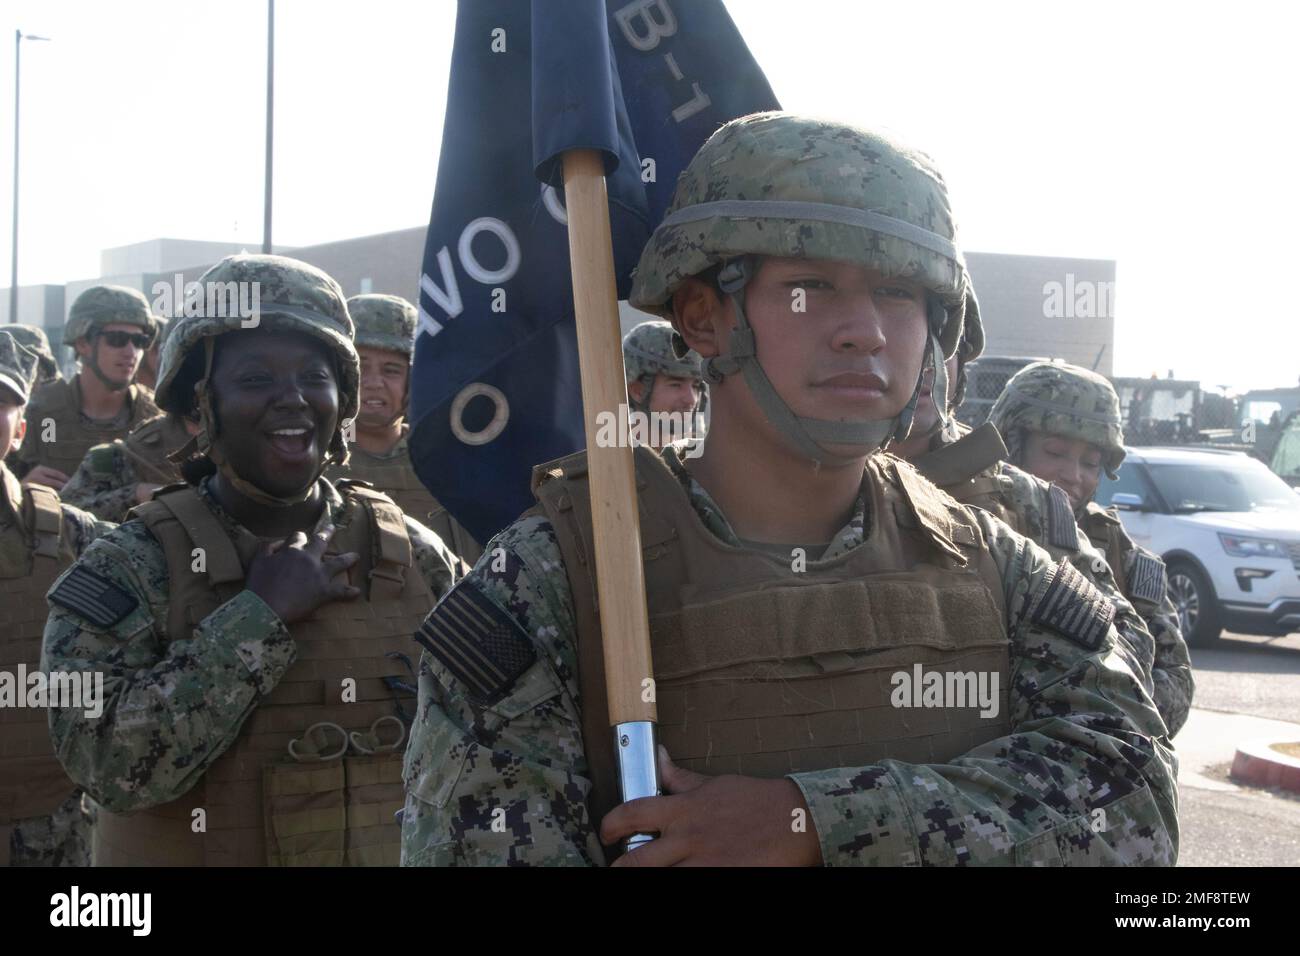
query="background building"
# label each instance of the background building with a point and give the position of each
(1031, 305)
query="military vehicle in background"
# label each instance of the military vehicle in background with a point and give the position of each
(1285, 461)
(1173, 412)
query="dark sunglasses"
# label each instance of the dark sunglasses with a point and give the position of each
(117, 339)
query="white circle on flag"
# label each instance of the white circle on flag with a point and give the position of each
(499, 417)
(551, 199)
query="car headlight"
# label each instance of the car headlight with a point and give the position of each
(1240, 547)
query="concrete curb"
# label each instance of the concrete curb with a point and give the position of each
(1258, 764)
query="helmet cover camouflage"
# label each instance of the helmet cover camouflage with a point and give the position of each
(292, 296)
(17, 367)
(775, 184)
(384, 322)
(653, 348)
(33, 337)
(102, 305)
(1066, 400)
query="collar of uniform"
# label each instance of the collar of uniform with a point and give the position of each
(330, 514)
(118, 421)
(398, 449)
(846, 539)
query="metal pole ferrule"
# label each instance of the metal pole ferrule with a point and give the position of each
(638, 770)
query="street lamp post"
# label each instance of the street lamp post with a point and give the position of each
(270, 122)
(13, 273)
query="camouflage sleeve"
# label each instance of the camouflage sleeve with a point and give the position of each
(497, 775)
(104, 484)
(168, 709)
(1083, 779)
(1171, 667)
(439, 567)
(1172, 672)
(81, 528)
(1030, 498)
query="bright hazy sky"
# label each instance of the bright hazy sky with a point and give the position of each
(1159, 134)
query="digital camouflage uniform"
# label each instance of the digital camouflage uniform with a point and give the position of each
(969, 465)
(60, 402)
(388, 322)
(106, 480)
(1066, 400)
(42, 819)
(177, 705)
(499, 734)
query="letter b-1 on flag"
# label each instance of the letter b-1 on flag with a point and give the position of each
(495, 384)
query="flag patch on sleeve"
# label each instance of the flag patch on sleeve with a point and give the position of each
(96, 599)
(1146, 576)
(1072, 606)
(481, 645)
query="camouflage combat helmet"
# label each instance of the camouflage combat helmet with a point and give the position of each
(653, 348)
(775, 184)
(292, 297)
(33, 337)
(102, 305)
(1062, 400)
(384, 322)
(17, 366)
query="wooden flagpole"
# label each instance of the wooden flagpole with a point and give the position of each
(620, 577)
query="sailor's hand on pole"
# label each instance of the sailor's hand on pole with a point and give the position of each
(716, 821)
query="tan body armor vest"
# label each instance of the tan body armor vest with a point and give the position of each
(395, 477)
(263, 807)
(33, 552)
(969, 470)
(73, 435)
(148, 446)
(762, 670)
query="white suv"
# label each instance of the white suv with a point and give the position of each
(1228, 529)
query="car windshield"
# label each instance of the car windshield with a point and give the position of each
(1221, 486)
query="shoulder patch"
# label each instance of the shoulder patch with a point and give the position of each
(1145, 573)
(483, 647)
(1072, 606)
(98, 600)
(1062, 529)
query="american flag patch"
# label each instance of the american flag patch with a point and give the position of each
(1145, 574)
(483, 646)
(1062, 529)
(1073, 607)
(99, 601)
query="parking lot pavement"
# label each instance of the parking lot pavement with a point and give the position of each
(1246, 688)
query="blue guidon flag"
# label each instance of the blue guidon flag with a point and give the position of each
(495, 385)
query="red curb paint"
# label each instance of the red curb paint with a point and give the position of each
(1257, 763)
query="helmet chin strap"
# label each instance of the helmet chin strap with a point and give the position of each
(108, 383)
(642, 406)
(206, 444)
(810, 435)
